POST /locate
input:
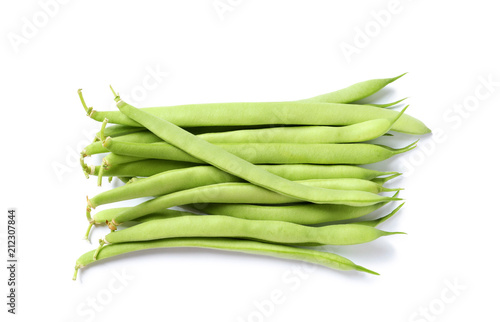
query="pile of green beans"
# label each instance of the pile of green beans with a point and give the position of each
(266, 178)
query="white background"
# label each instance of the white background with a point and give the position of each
(258, 51)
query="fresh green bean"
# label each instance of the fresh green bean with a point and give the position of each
(354, 133)
(137, 137)
(142, 168)
(359, 132)
(105, 215)
(268, 231)
(239, 193)
(245, 114)
(266, 153)
(346, 95)
(112, 159)
(187, 178)
(119, 130)
(304, 214)
(354, 92)
(376, 222)
(109, 160)
(230, 163)
(249, 114)
(150, 167)
(327, 259)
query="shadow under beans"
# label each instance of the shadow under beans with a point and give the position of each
(380, 250)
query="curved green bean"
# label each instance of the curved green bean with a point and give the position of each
(359, 132)
(327, 259)
(354, 92)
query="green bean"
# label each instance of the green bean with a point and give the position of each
(181, 178)
(164, 183)
(304, 214)
(93, 148)
(354, 133)
(277, 113)
(113, 159)
(313, 171)
(388, 105)
(327, 259)
(119, 130)
(98, 147)
(239, 193)
(103, 216)
(346, 95)
(249, 114)
(230, 163)
(128, 166)
(354, 92)
(108, 214)
(137, 137)
(150, 167)
(124, 179)
(179, 224)
(187, 178)
(267, 231)
(383, 180)
(359, 132)
(142, 168)
(265, 153)
(376, 222)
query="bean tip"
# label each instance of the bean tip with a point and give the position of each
(365, 270)
(398, 77)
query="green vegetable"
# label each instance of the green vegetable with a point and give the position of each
(327, 259)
